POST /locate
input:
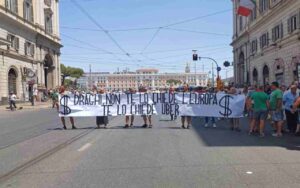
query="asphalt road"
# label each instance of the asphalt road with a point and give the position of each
(165, 156)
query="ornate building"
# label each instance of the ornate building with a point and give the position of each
(150, 78)
(266, 45)
(29, 46)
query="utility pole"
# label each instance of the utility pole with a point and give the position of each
(90, 80)
(213, 76)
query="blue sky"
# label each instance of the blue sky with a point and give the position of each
(171, 48)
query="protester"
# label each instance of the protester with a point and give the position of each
(187, 119)
(129, 117)
(235, 123)
(101, 120)
(146, 118)
(212, 119)
(249, 108)
(296, 109)
(12, 101)
(289, 99)
(63, 92)
(260, 108)
(54, 96)
(276, 108)
(171, 91)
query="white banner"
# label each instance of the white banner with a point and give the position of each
(179, 104)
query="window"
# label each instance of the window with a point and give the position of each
(254, 46)
(28, 10)
(253, 14)
(264, 40)
(12, 81)
(263, 5)
(29, 49)
(241, 23)
(277, 32)
(14, 42)
(47, 2)
(48, 21)
(292, 23)
(12, 5)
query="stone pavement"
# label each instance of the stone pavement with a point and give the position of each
(165, 157)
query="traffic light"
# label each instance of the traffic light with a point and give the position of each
(195, 57)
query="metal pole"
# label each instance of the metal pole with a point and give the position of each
(213, 75)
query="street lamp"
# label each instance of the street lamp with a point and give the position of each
(196, 58)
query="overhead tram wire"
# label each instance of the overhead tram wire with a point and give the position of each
(93, 46)
(200, 32)
(151, 40)
(100, 27)
(181, 22)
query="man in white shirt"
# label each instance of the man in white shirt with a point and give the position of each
(12, 101)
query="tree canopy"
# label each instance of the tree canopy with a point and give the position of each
(68, 71)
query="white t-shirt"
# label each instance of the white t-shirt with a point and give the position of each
(35, 92)
(13, 97)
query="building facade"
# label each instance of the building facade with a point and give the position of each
(266, 45)
(29, 47)
(150, 78)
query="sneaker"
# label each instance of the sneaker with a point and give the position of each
(126, 126)
(238, 129)
(262, 135)
(297, 134)
(276, 135)
(206, 125)
(214, 125)
(145, 126)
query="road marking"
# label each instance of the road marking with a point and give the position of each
(249, 172)
(84, 147)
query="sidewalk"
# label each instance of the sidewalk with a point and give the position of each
(28, 106)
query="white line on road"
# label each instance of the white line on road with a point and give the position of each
(84, 147)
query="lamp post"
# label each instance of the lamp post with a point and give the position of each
(196, 58)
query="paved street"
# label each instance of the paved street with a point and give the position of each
(35, 152)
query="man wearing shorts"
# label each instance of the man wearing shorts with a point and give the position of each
(260, 110)
(276, 108)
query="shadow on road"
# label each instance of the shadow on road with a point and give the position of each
(224, 137)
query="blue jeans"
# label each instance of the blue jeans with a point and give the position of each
(213, 120)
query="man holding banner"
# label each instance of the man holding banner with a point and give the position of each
(62, 93)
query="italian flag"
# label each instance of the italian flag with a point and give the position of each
(245, 7)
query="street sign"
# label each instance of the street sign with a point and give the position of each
(218, 69)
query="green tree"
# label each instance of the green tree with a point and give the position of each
(175, 82)
(68, 71)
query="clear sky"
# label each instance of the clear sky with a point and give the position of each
(155, 33)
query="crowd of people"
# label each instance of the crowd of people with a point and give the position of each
(278, 104)
(275, 104)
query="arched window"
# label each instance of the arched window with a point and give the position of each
(12, 81)
(266, 75)
(241, 68)
(255, 76)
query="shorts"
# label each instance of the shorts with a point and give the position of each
(260, 115)
(251, 114)
(277, 116)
